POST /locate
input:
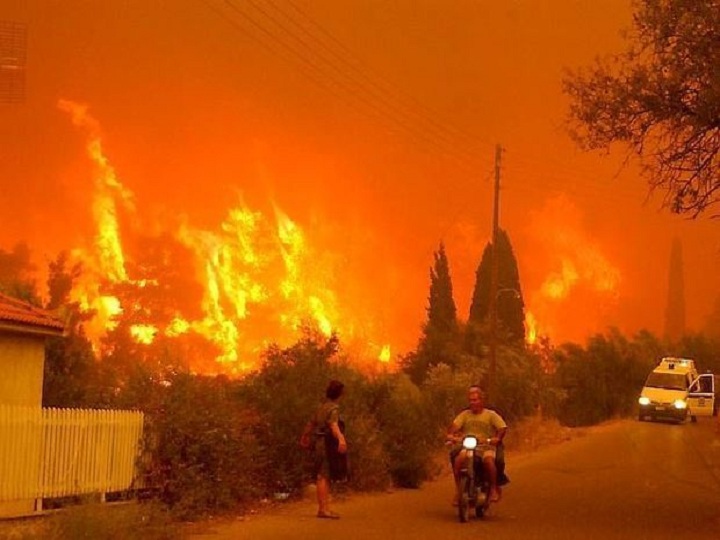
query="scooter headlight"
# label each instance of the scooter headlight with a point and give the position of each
(469, 443)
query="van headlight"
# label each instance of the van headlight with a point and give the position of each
(680, 404)
(644, 400)
(469, 443)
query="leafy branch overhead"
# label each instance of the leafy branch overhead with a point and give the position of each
(661, 98)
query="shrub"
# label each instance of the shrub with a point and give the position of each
(207, 458)
(409, 434)
(367, 460)
(285, 393)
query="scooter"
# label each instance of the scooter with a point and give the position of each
(474, 484)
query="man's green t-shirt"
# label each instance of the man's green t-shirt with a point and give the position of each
(482, 425)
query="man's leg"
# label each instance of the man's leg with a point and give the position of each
(457, 466)
(491, 471)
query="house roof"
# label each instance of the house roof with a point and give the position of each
(22, 316)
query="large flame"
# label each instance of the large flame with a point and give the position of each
(580, 278)
(103, 261)
(260, 282)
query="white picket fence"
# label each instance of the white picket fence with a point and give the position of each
(58, 452)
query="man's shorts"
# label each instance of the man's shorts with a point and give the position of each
(484, 450)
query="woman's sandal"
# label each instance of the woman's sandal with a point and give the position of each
(328, 515)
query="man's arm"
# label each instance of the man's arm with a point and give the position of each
(498, 422)
(499, 436)
(454, 430)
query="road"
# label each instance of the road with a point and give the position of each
(624, 480)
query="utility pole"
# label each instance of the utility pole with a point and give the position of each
(494, 280)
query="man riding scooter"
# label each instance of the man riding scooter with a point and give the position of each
(489, 428)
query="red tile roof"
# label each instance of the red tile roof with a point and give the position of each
(22, 314)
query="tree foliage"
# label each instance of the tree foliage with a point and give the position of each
(16, 274)
(442, 313)
(439, 341)
(661, 97)
(70, 371)
(603, 379)
(510, 305)
(205, 456)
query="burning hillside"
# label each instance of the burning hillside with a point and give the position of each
(252, 282)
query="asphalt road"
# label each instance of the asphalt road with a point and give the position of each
(624, 480)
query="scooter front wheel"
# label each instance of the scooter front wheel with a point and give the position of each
(483, 504)
(464, 501)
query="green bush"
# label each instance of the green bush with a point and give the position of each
(285, 393)
(445, 392)
(519, 380)
(390, 433)
(207, 458)
(602, 380)
(409, 433)
(367, 460)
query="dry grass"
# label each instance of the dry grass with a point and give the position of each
(93, 521)
(23, 529)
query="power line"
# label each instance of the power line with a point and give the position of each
(591, 191)
(322, 77)
(377, 80)
(339, 70)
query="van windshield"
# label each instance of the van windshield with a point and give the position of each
(670, 381)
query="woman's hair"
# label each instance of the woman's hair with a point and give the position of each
(334, 389)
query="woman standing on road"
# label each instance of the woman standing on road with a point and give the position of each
(324, 438)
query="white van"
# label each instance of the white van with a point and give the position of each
(674, 389)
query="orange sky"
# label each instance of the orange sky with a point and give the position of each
(198, 117)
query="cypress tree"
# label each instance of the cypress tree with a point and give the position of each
(442, 313)
(675, 308)
(510, 304)
(439, 339)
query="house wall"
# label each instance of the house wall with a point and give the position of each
(21, 379)
(21, 369)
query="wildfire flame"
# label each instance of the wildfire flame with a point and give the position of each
(104, 261)
(584, 275)
(531, 331)
(259, 283)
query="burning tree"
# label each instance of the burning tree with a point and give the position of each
(168, 285)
